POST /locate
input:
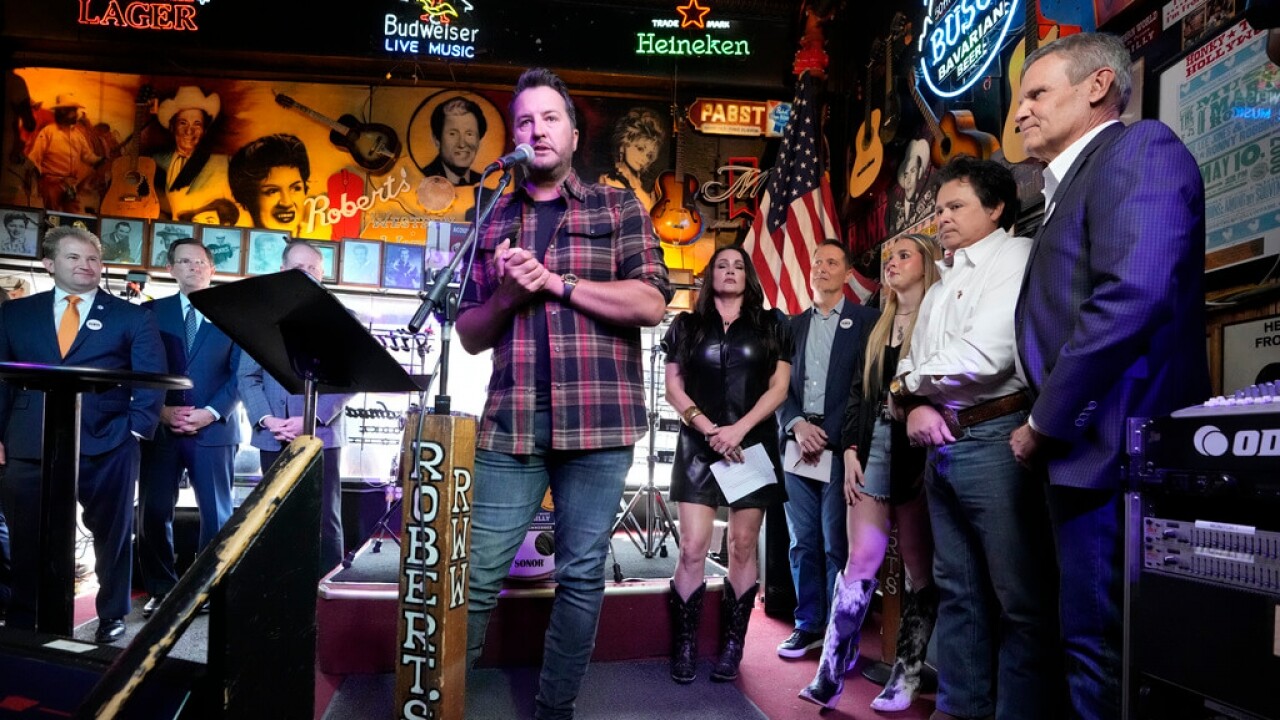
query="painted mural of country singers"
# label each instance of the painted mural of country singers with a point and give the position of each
(268, 178)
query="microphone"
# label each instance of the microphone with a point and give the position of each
(520, 156)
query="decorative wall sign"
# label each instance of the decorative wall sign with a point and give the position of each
(696, 38)
(431, 28)
(960, 39)
(751, 118)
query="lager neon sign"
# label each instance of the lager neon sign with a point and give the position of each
(959, 40)
(179, 15)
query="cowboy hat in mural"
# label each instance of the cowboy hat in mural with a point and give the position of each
(66, 100)
(189, 97)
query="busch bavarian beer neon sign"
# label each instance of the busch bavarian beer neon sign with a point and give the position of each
(959, 39)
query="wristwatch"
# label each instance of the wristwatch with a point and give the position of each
(898, 387)
(570, 282)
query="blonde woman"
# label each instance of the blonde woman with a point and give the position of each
(889, 489)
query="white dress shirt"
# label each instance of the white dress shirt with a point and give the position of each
(1057, 170)
(963, 348)
(60, 305)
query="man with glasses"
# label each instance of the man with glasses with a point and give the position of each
(199, 428)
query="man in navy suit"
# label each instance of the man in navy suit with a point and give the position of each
(110, 334)
(830, 339)
(1110, 324)
(276, 417)
(199, 428)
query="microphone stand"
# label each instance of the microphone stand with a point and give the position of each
(435, 298)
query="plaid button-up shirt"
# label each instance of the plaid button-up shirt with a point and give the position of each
(597, 385)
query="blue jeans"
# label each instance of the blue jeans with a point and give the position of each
(819, 544)
(586, 487)
(1089, 528)
(994, 566)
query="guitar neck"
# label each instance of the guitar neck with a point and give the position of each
(332, 124)
(934, 128)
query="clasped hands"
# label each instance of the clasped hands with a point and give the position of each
(521, 275)
(185, 419)
(727, 441)
(283, 429)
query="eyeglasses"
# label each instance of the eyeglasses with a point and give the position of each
(191, 263)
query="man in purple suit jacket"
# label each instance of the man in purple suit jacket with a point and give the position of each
(109, 334)
(1110, 324)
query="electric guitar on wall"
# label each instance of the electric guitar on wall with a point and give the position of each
(373, 146)
(1011, 136)
(131, 192)
(955, 134)
(675, 216)
(899, 35)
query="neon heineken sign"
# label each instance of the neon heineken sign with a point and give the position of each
(959, 39)
(692, 15)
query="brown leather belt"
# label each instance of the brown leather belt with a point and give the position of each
(984, 411)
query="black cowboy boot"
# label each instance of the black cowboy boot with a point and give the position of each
(840, 648)
(735, 613)
(685, 617)
(919, 613)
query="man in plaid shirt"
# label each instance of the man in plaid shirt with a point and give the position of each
(566, 274)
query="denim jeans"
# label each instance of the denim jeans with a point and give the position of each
(819, 545)
(586, 487)
(1089, 528)
(994, 567)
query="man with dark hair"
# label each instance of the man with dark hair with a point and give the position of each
(830, 339)
(1110, 325)
(993, 558)
(116, 246)
(457, 126)
(276, 418)
(199, 429)
(268, 178)
(99, 330)
(64, 155)
(561, 312)
(18, 239)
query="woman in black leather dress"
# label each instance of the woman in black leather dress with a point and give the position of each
(727, 371)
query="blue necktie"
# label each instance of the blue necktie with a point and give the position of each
(192, 326)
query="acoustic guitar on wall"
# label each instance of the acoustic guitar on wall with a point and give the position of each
(675, 216)
(1011, 136)
(131, 192)
(373, 146)
(954, 134)
(868, 149)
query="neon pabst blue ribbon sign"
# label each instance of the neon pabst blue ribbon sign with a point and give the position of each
(958, 41)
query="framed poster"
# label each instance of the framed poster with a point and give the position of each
(163, 234)
(1222, 99)
(226, 245)
(123, 240)
(1250, 353)
(21, 237)
(266, 251)
(361, 262)
(402, 267)
(329, 257)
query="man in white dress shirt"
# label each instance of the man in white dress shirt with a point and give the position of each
(962, 398)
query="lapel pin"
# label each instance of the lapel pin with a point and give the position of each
(93, 324)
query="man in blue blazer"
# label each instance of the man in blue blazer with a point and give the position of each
(276, 418)
(830, 341)
(1110, 324)
(199, 428)
(78, 324)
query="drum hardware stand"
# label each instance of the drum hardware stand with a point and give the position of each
(651, 538)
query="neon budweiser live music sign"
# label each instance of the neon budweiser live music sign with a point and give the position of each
(959, 39)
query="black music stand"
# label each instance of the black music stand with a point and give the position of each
(60, 471)
(304, 336)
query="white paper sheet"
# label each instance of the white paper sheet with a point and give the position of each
(737, 480)
(793, 462)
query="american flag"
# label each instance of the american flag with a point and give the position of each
(796, 213)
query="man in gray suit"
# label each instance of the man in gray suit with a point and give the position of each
(276, 417)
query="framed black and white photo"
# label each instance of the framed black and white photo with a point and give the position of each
(329, 254)
(163, 234)
(361, 262)
(123, 240)
(402, 267)
(21, 236)
(226, 245)
(266, 251)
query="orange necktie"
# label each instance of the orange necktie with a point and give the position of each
(69, 325)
